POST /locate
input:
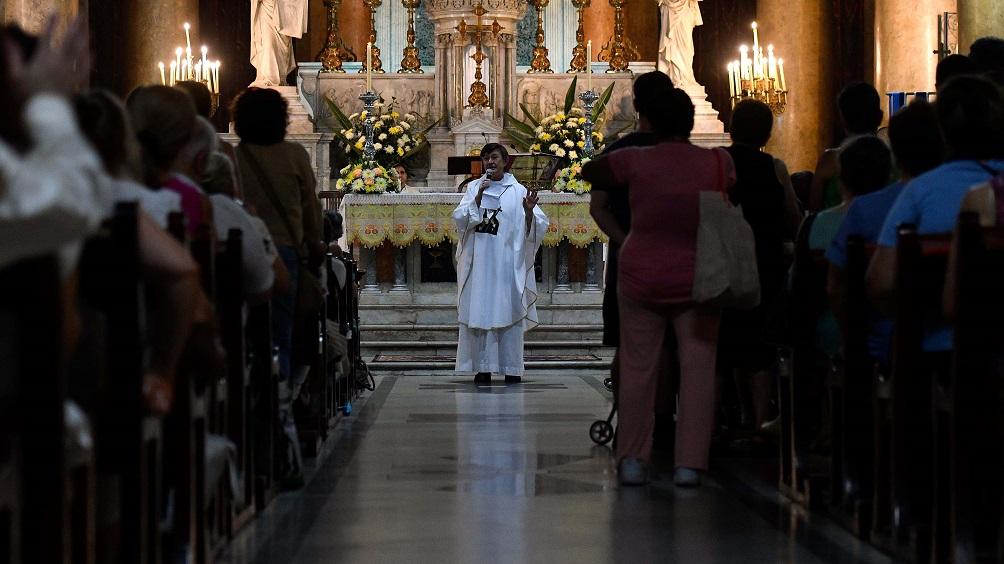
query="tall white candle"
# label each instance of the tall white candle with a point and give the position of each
(174, 73)
(780, 69)
(756, 38)
(216, 76)
(589, 65)
(732, 81)
(205, 51)
(742, 62)
(737, 77)
(771, 62)
(177, 58)
(369, 66)
(188, 36)
(163, 77)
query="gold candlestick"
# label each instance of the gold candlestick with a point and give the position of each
(618, 50)
(540, 62)
(377, 64)
(579, 61)
(334, 52)
(410, 63)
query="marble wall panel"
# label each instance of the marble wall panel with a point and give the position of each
(979, 18)
(906, 36)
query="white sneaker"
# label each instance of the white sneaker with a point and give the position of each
(632, 472)
(686, 477)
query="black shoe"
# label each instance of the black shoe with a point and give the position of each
(513, 379)
(483, 378)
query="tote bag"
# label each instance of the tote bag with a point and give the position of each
(725, 270)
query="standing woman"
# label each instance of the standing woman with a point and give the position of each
(656, 284)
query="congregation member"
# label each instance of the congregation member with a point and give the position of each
(764, 191)
(203, 100)
(971, 113)
(500, 227)
(656, 277)
(860, 109)
(917, 147)
(609, 207)
(279, 183)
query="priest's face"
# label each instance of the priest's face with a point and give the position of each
(496, 161)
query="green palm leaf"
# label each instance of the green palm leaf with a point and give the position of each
(337, 113)
(601, 104)
(529, 117)
(570, 94)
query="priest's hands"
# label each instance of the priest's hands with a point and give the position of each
(530, 202)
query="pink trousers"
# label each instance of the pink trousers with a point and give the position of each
(643, 329)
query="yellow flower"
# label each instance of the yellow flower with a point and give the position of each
(400, 152)
(581, 144)
(395, 115)
(582, 120)
(360, 144)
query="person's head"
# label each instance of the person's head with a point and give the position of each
(752, 122)
(987, 53)
(260, 116)
(104, 121)
(200, 94)
(202, 161)
(917, 143)
(494, 156)
(971, 113)
(953, 66)
(402, 174)
(860, 108)
(644, 88)
(163, 119)
(865, 163)
(671, 113)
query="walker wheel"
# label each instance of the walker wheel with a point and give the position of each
(608, 383)
(601, 432)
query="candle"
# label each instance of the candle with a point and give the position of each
(174, 73)
(756, 38)
(205, 51)
(589, 65)
(163, 78)
(216, 77)
(771, 62)
(742, 68)
(732, 81)
(177, 58)
(369, 66)
(188, 36)
(780, 70)
(737, 78)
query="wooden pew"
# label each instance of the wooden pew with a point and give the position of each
(265, 403)
(309, 344)
(33, 527)
(230, 311)
(976, 495)
(128, 439)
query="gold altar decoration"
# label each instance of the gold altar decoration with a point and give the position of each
(540, 62)
(618, 50)
(579, 62)
(428, 218)
(376, 65)
(758, 77)
(334, 52)
(479, 90)
(410, 63)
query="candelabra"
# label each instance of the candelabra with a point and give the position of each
(335, 52)
(410, 63)
(185, 67)
(588, 99)
(540, 62)
(369, 98)
(619, 50)
(758, 77)
(375, 65)
(579, 61)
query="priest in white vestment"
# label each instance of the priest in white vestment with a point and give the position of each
(500, 227)
(274, 24)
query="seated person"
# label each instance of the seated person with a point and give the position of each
(971, 113)
(865, 163)
(402, 177)
(918, 147)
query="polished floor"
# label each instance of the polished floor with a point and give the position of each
(438, 470)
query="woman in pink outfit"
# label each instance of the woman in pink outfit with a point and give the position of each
(655, 287)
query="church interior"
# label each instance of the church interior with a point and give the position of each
(267, 293)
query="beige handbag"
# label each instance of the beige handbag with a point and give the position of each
(725, 270)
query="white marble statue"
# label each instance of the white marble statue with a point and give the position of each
(676, 46)
(274, 24)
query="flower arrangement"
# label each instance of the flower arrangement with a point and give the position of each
(561, 134)
(569, 179)
(564, 135)
(367, 178)
(396, 136)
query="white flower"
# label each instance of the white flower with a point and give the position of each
(382, 137)
(350, 135)
(568, 143)
(378, 146)
(554, 148)
(560, 152)
(389, 150)
(573, 155)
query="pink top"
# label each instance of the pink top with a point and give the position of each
(192, 201)
(663, 181)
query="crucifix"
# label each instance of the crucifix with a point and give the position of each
(479, 90)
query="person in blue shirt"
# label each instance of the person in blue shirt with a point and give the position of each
(971, 112)
(917, 146)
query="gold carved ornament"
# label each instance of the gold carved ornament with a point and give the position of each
(578, 63)
(334, 52)
(540, 62)
(410, 63)
(377, 65)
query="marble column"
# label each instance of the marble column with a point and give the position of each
(368, 260)
(400, 270)
(554, 35)
(979, 18)
(153, 29)
(32, 14)
(906, 38)
(803, 33)
(594, 266)
(563, 279)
